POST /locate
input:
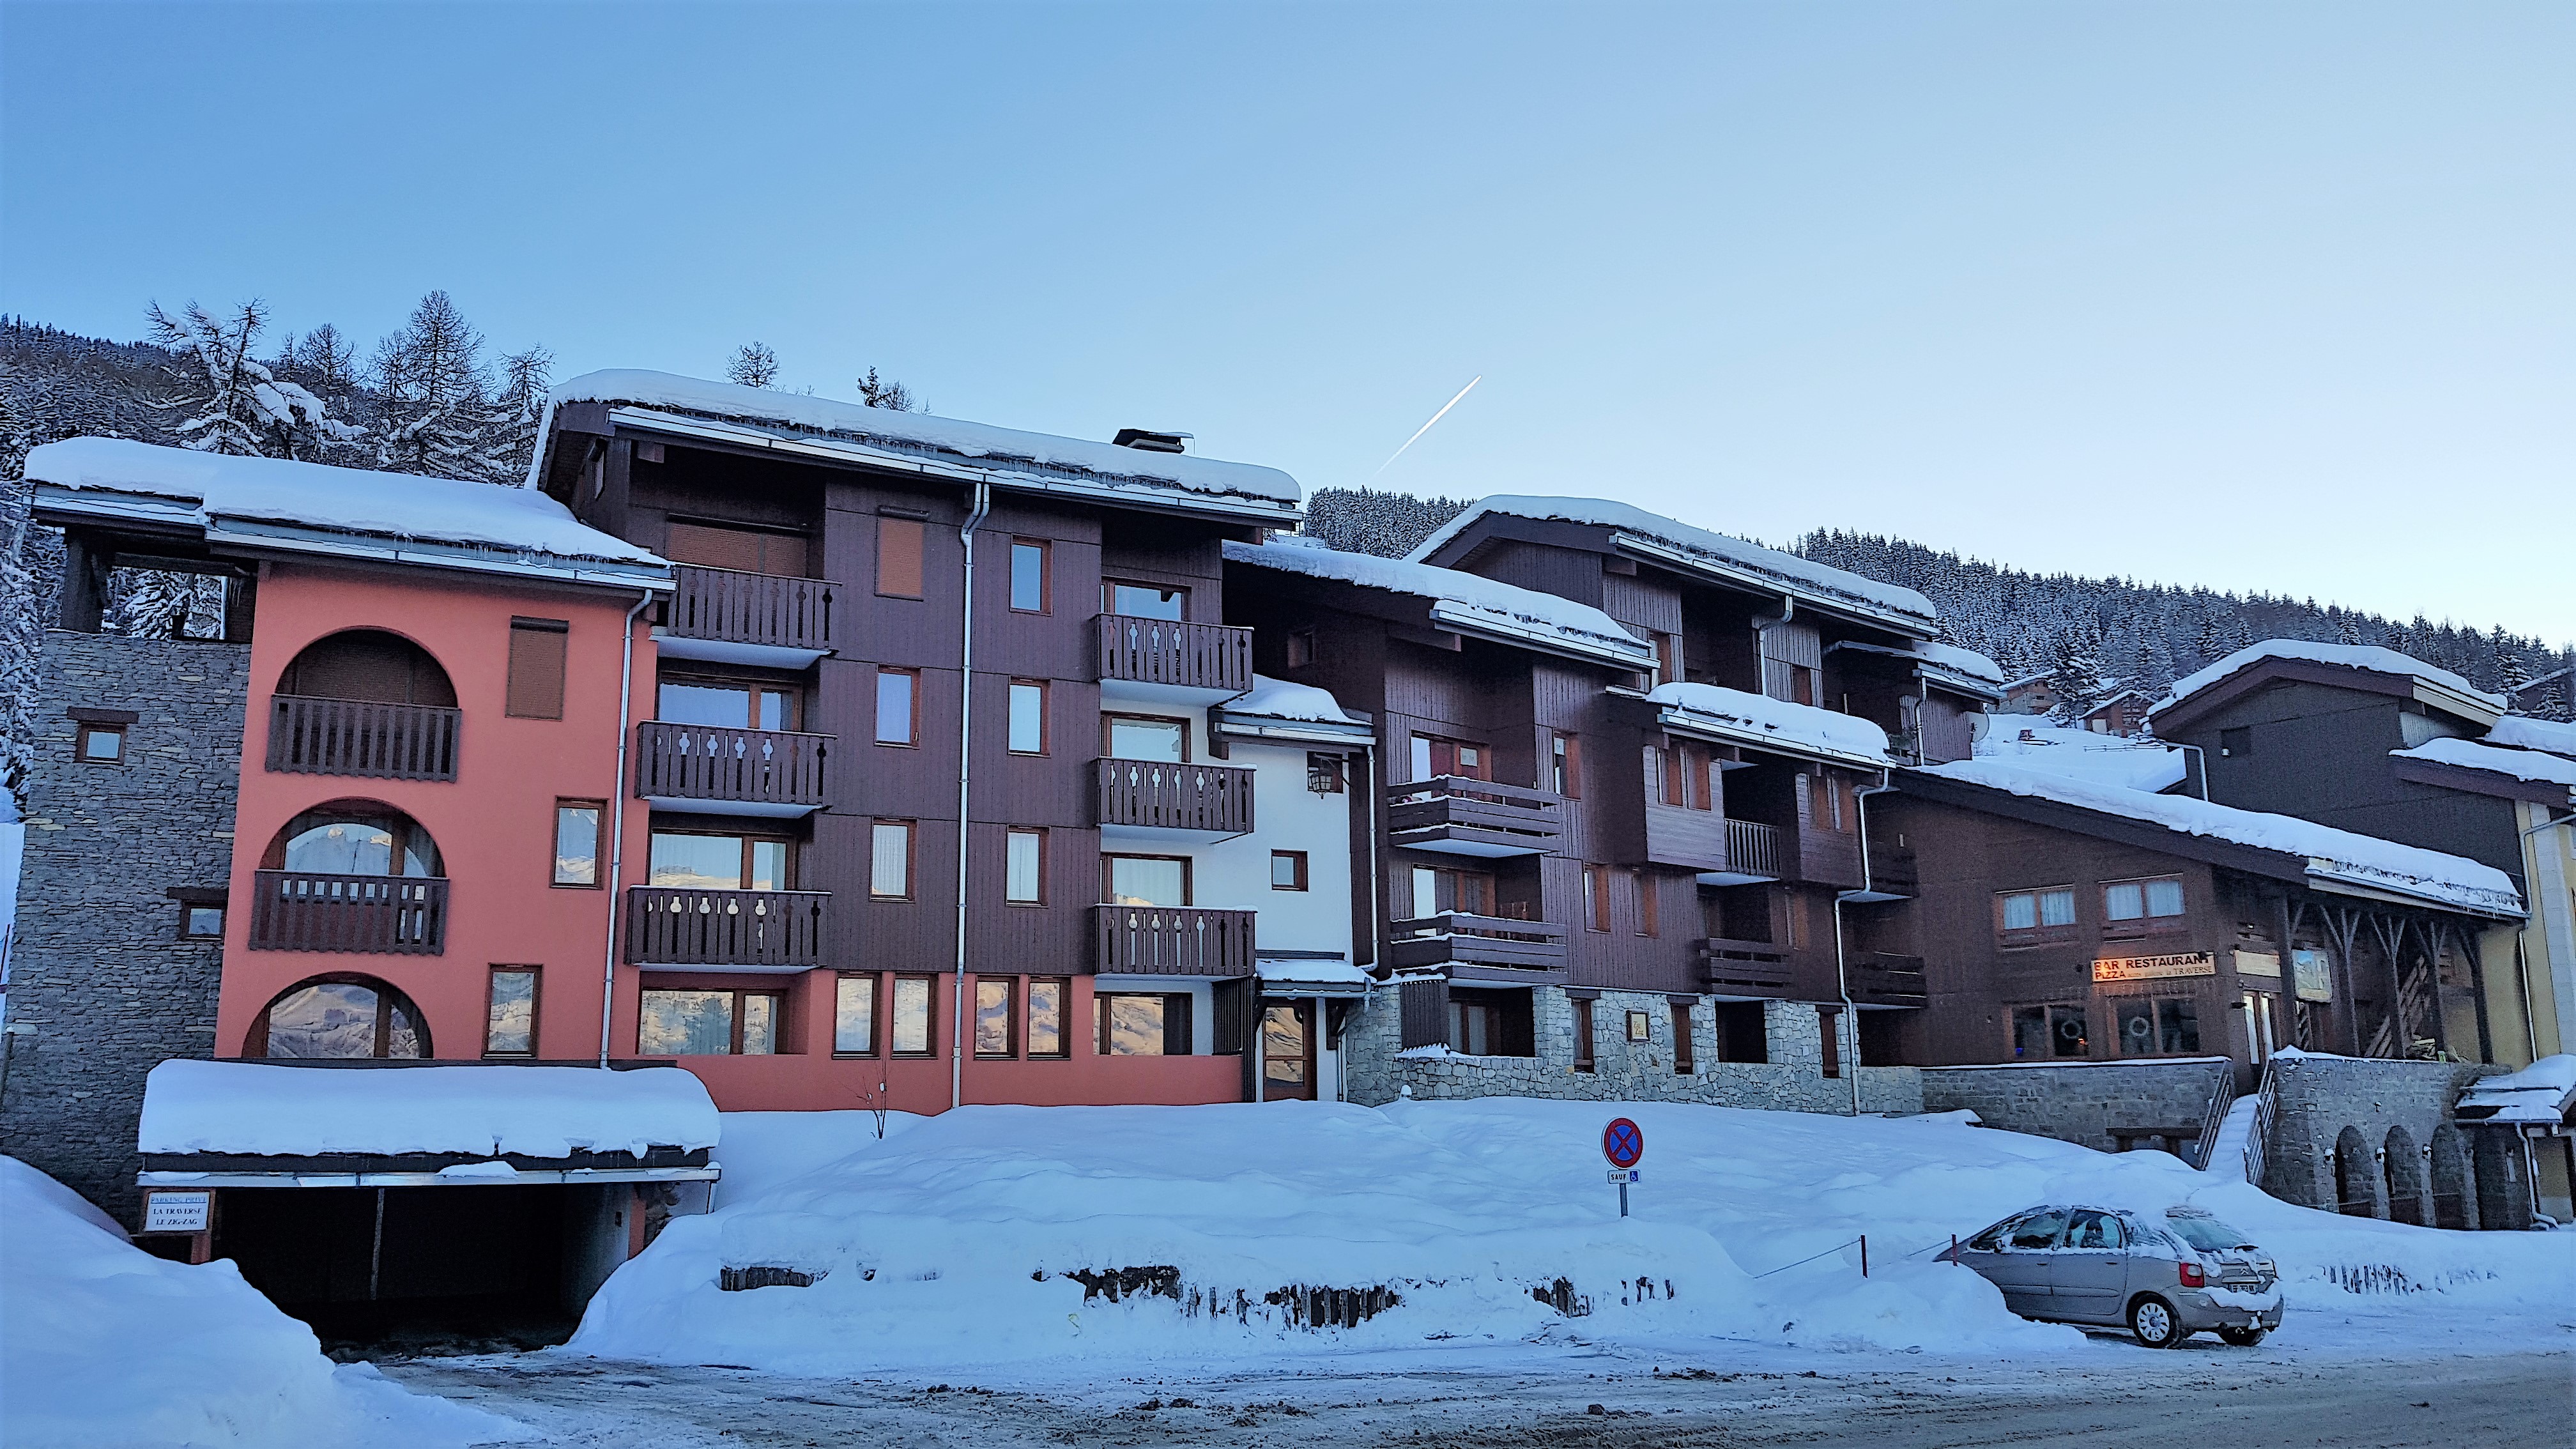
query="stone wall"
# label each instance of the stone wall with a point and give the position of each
(2081, 1102)
(1793, 1080)
(2317, 1098)
(103, 987)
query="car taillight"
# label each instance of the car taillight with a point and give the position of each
(2192, 1277)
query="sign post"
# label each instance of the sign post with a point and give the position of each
(1624, 1143)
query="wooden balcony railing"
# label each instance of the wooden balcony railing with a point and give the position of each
(1168, 651)
(1456, 815)
(1173, 941)
(1882, 979)
(1165, 796)
(670, 926)
(298, 910)
(309, 736)
(1752, 848)
(1744, 967)
(1459, 938)
(744, 608)
(754, 767)
(1892, 870)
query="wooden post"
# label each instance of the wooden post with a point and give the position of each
(1864, 1255)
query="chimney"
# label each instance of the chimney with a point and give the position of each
(1151, 442)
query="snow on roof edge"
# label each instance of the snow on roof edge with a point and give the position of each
(1778, 720)
(2366, 657)
(2536, 766)
(259, 1109)
(1527, 614)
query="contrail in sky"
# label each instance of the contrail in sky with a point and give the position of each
(1426, 427)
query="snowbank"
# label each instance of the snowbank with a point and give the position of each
(103, 1344)
(248, 1107)
(2532, 765)
(2331, 854)
(2525, 733)
(317, 495)
(2023, 741)
(965, 1240)
(1475, 603)
(2349, 656)
(1761, 719)
(1003, 449)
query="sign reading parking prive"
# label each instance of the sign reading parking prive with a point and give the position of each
(178, 1212)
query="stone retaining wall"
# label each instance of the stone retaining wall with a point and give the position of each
(2081, 1102)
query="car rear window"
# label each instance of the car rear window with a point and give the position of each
(2207, 1234)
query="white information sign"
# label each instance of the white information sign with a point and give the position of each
(1627, 1174)
(178, 1212)
(2257, 963)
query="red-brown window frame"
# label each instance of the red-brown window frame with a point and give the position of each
(781, 1038)
(911, 858)
(930, 1026)
(1063, 1021)
(1189, 877)
(536, 1009)
(876, 711)
(2040, 935)
(2145, 925)
(1685, 1051)
(1649, 921)
(1046, 727)
(1106, 716)
(1596, 898)
(1045, 549)
(876, 1014)
(1008, 833)
(89, 728)
(898, 536)
(539, 648)
(1010, 991)
(1565, 758)
(1584, 1060)
(598, 846)
(1297, 859)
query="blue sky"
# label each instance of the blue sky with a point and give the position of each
(2258, 297)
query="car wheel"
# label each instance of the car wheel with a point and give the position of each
(2242, 1337)
(2153, 1321)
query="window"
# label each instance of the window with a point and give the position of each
(2035, 1234)
(2036, 912)
(2157, 1026)
(1742, 1033)
(1300, 648)
(1443, 888)
(1287, 870)
(1565, 766)
(99, 744)
(1047, 997)
(1324, 773)
(1596, 897)
(1829, 1020)
(2096, 1231)
(510, 1012)
(746, 550)
(993, 1034)
(1825, 800)
(1145, 880)
(1644, 882)
(1147, 737)
(201, 922)
(2142, 900)
(703, 1023)
(577, 825)
(1662, 783)
(1029, 583)
(2042, 1032)
(854, 1015)
(2236, 744)
(1668, 659)
(1685, 1058)
(912, 1015)
(1583, 1058)
(1024, 867)
(1143, 1026)
(898, 706)
(899, 557)
(721, 704)
(1434, 757)
(339, 1016)
(1475, 1027)
(1143, 601)
(683, 860)
(536, 687)
(890, 860)
(348, 839)
(1028, 709)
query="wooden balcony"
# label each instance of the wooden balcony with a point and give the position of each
(1456, 938)
(741, 771)
(780, 930)
(1736, 851)
(727, 606)
(1882, 979)
(297, 910)
(1214, 658)
(1828, 857)
(1892, 870)
(309, 736)
(1744, 968)
(1459, 816)
(1155, 795)
(1172, 941)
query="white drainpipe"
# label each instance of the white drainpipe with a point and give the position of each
(617, 823)
(965, 771)
(1842, 979)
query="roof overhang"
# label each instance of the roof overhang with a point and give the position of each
(1756, 581)
(1262, 727)
(1929, 674)
(1481, 625)
(2480, 782)
(517, 1177)
(2181, 714)
(1678, 720)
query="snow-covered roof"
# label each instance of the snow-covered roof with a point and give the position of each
(1286, 699)
(1326, 978)
(278, 503)
(1766, 723)
(1699, 549)
(2525, 733)
(1964, 670)
(1462, 601)
(2533, 765)
(2538, 1095)
(2366, 657)
(2022, 741)
(2333, 857)
(1008, 456)
(255, 1109)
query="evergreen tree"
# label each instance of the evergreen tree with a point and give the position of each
(327, 364)
(2075, 673)
(887, 393)
(519, 412)
(754, 365)
(432, 396)
(1367, 520)
(235, 403)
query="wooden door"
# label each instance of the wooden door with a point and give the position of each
(1288, 1051)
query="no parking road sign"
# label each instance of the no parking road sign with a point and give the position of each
(1623, 1142)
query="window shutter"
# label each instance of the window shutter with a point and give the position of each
(536, 689)
(899, 557)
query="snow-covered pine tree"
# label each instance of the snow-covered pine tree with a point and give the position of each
(433, 395)
(879, 392)
(2075, 672)
(234, 403)
(519, 412)
(327, 364)
(754, 365)
(1368, 520)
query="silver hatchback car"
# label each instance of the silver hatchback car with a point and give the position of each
(2164, 1279)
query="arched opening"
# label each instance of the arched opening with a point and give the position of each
(339, 1015)
(2404, 1167)
(2455, 1198)
(368, 664)
(2504, 1192)
(2356, 1175)
(354, 837)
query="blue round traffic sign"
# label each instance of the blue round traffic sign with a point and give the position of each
(1623, 1142)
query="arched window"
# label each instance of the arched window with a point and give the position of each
(368, 664)
(339, 1016)
(354, 837)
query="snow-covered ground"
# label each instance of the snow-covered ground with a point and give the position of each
(103, 1344)
(959, 1243)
